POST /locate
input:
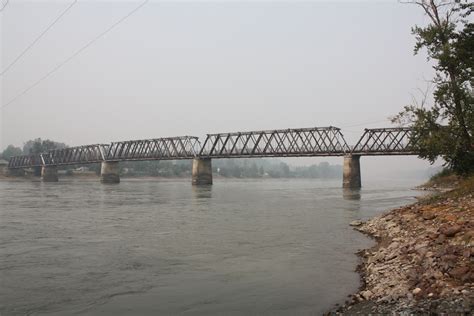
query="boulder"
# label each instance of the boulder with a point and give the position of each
(416, 291)
(428, 215)
(450, 231)
(367, 295)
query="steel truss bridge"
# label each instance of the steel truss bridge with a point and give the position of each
(300, 142)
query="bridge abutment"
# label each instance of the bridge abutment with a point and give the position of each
(351, 172)
(202, 171)
(109, 172)
(49, 173)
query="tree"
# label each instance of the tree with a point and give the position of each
(446, 128)
(11, 151)
(38, 145)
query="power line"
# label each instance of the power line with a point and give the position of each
(4, 5)
(80, 50)
(38, 38)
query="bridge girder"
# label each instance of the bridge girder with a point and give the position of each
(170, 148)
(386, 141)
(317, 141)
(185, 147)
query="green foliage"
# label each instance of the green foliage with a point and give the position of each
(11, 151)
(443, 173)
(446, 128)
(38, 145)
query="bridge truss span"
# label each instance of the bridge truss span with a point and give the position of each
(170, 148)
(317, 141)
(75, 155)
(386, 141)
(60, 157)
(25, 161)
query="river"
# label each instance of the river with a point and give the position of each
(154, 247)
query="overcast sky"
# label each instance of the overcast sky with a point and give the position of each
(191, 68)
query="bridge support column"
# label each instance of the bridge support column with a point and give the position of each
(109, 172)
(37, 171)
(351, 172)
(20, 172)
(49, 174)
(202, 171)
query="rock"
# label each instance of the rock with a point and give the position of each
(428, 215)
(394, 245)
(416, 291)
(459, 272)
(450, 231)
(356, 223)
(441, 238)
(391, 255)
(367, 295)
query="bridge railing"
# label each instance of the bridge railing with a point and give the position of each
(386, 141)
(317, 141)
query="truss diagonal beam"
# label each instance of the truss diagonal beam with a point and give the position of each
(185, 147)
(317, 141)
(386, 141)
(154, 149)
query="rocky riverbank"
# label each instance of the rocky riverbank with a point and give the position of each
(423, 261)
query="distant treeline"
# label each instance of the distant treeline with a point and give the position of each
(234, 168)
(33, 146)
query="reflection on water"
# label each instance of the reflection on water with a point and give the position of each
(351, 194)
(202, 191)
(166, 247)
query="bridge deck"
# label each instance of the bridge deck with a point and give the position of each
(386, 141)
(325, 141)
(301, 142)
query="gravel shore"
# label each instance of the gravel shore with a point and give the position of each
(423, 262)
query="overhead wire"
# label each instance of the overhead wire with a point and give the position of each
(50, 26)
(80, 50)
(4, 5)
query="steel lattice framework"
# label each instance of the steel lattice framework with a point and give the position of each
(25, 161)
(317, 141)
(58, 157)
(185, 147)
(386, 141)
(75, 155)
(325, 141)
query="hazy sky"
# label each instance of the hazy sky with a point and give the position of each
(191, 68)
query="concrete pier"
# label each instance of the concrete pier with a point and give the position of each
(49, 174)
(202, 171)
(37, 171)
(109, 172)
(351, 172)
